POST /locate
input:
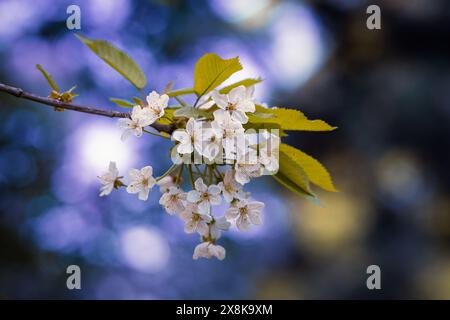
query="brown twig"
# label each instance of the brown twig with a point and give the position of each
(19, 93)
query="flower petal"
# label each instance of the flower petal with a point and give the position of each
(207, 105)
(231, 213)
(255, 217)
(239, 116)
(190, 226)
(143, 194)
(200, 185)
(204, 207)
(214, 189)
(237, 94)
(134, 174)
(202, 228)
(185, 148)
(134, 187)
(246, 105)
(220, 99)
(201, 251)
(181, 136)
(147, 171)
(126, 134)
(243, 223)
(256, 205)
(193, 196)
(217, 251)
(215, 199)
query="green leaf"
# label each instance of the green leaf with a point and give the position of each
(289, 184)
(117, 59)
(180, 92)
(122, 102)
(292, 175)
(48, 77)
(263, 115)
(288, 119)
(246, 83)
(138, 101)
(314, 170)
(190, 112)
(168, 116)
(211, 70)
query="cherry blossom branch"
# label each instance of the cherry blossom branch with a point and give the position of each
(19, 93)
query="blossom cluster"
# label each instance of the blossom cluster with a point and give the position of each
(229, 157)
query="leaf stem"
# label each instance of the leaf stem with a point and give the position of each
(180, 173)
(198, 170)
(196, 101)
(211, 171)
(165, 174)
(191, 176)
(219, 173)
(155, 134)
(181, 101)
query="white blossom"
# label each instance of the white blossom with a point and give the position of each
(173, 200)
(195, 221)
(269, 151)
(229, 186)
(212, 143)
(109, 180)
(204, 196)
(246, 168)
(217, 226)
(209, 250)
(141, 182)
(156, 104)
(189, 138)
(246, 213)
(140, 118)
(237, 102)
(229, 129)
(269, 159)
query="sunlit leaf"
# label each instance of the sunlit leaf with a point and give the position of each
(190, 112)
(288, 119)
(168, 117)
(289, 184)
(246, 83)
(180, 92)
(314, 170)
(211, 70)
(292, 174)
(263, 115)
(117, 59)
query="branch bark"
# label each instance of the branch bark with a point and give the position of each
(19, 93)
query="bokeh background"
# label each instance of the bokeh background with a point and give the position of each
(388, 91)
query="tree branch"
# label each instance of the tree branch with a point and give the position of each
(19, 93)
